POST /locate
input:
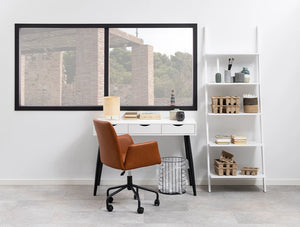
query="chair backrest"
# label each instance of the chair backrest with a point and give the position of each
(110, 151)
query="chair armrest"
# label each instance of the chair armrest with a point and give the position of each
(141, 155)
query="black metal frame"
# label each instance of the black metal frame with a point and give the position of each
(135, 189)
(106, 65)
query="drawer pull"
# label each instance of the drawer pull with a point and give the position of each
(178, 125)
(114, 125)
(144, 125)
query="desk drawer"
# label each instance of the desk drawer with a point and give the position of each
(145, 128)
(178, 129)
(121, 128)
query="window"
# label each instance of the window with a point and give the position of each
(73, 66)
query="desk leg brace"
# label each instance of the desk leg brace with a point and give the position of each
(98, 172)
(189, 156)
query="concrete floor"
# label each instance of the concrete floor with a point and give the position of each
(75, 206)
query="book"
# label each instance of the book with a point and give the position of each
(240, 142)
(131, 115)
(222, 139)
(149, 116)
(238, 137)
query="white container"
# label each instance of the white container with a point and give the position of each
(173, 114)
(227, 76)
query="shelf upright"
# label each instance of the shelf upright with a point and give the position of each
(257, 85)
(261, 115)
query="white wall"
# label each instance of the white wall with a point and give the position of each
(59, 145)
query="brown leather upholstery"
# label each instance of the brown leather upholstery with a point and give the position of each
(120, 152)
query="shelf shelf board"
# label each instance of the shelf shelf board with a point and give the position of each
(232, 54)
(239, 176)
(232, 84)
(237, 114)
(249, 144)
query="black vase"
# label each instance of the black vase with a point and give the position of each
(180, 116)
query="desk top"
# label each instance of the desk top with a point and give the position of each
(138, 121)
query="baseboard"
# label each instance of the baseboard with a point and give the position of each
(269, 181)
(46, 182)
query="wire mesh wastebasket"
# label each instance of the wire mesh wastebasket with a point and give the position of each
(172, 175)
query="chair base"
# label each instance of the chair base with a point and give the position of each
(135, 189)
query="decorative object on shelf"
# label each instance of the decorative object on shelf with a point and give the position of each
(130, 115)
(226, 157)
(247, 74)
(218, 77)
(222, 139)
(227, 76)
(249, 171)
(230, 61)
(111, 106)
(250, 103)
(224, 168)
(225, 165)
(180, 115)
(225, 104)
(173, 114)
(239, 78)
(238, 139)
(172, 101)
(149, 116)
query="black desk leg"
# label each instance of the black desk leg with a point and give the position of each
(189, 156)
(98, 172)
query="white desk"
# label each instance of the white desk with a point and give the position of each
(164, 127)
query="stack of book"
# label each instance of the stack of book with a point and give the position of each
(149, 116)
(130, 115)
(238, 139)
(221, 139)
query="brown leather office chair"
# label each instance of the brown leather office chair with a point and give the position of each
(120, 152)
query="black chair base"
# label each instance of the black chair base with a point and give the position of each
(135, 189)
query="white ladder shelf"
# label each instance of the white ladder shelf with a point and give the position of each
(212, 62)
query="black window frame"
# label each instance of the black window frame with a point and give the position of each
(106, 27)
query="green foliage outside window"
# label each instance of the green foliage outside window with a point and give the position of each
(174, 72)
(120, 66)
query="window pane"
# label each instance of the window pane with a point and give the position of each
(61, 66)
(146, 64)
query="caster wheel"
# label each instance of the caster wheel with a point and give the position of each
(109, 208)
(110, 199)
(140, 210)
(134, 197)
(156, 202)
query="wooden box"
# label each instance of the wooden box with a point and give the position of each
(233, 109)
(225, 104)
(226, 157)
(249, 171)
(225, 109)
(225, 100)
(225, 168)
(221, 164)
(226, 171)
